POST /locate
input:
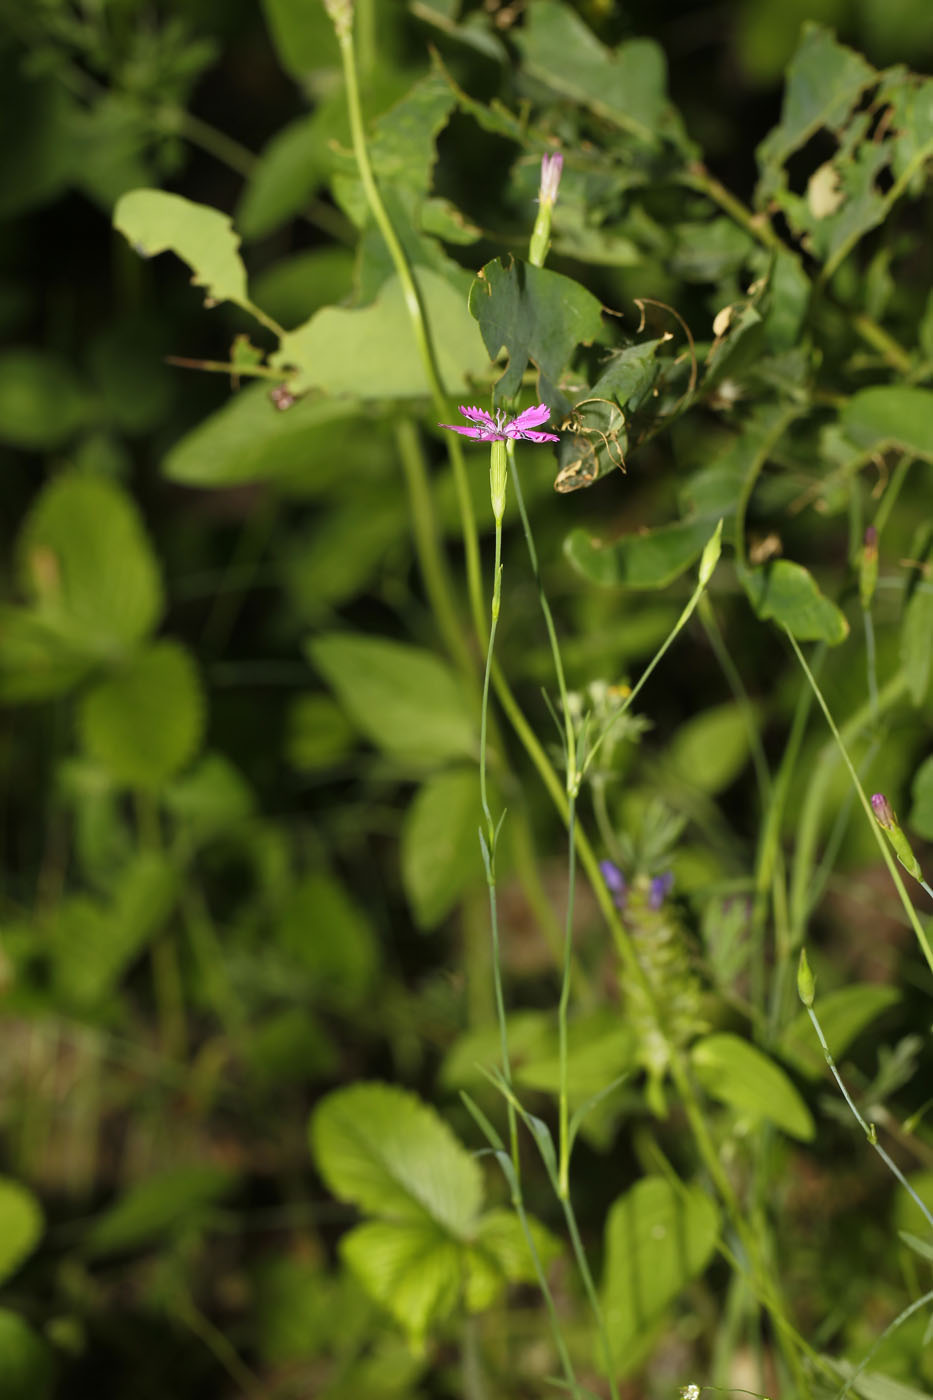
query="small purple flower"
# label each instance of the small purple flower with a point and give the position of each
(615, 882)
(489, 429)
(661, 887)
(551, 167)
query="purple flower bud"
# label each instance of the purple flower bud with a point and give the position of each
(871, 539)
(884, 812)
(615, 882)
(661, 887)
(551, 167)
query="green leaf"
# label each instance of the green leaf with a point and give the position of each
(626, 86)
(657, 1240)
(163, 1204)
(289, 171)
(21, 1225)
(649, 560)
(85, 561)
(711, 749)
(36, 663)
(345, 548)
(919, 1246)
(600, 1048)
(921, 811)
(42, 403)
(440, 847)
(304, 449)
(916, 647)
(144, 722)
(499, 1255)
(907, 1214)
(843, 1014)
(319, 735)
(94, 944)
(405, 700)
(788, 593)
(896, 415)
(824, 79)
(330, 937)
(27, 1364)
(371, 352)
(155, 221)
(210, 800)
(388, 1153)
(742, 1076)
(534, 315)
(412, 1268)
(303, 34)
(293, 288)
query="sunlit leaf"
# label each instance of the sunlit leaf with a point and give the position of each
(155, 221)
(737, 1073)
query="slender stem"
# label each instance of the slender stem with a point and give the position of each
(563, 1189)
(871, 663)
(414, 304)
(889, 861)
(591, 1293)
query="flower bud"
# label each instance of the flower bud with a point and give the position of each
(868, 568)
(341, 16)
(887, 820)
(805, 983)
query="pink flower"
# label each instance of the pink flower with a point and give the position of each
(489, 429)
(551, 167)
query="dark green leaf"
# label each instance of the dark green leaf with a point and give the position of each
(163, 1204)
(21, 1226)
(896, 415)
(42, 402)
(534, 315)
(650, 560)
(921, 812)
(788, 593)
(27, 1363)
(330, 937)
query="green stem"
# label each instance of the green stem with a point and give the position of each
(563, 1189)
(591, 1293)
(866, 806)
(417, 314)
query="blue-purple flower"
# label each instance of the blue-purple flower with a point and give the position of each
(661, 887)
(498, 429)
(615, 882)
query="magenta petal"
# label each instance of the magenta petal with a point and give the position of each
(466, 432)
(531, 417)
(477, 415)
(530, 436)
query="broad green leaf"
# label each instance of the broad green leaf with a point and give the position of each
(319, 735)
(710, 250)
(143, 723)
(27, 1363)
(534, 315)
(21, 1226)
(411, 1267)
(404, 699)
(824, 79)
(93, 944)
(210, 800)
(650, 560)
(531, 1035)
(600, 1048)
(500, 1255)
(385, 1151)
(303, 34)
(788, 593)
(291, 1047)
(712, 748)
(292, 289)
(921, 792)
(160, 1205)
(154, 222)
(84, 560)
(371, 352)
(916, 647)
(329, 936)
(42, 402)
(290, 169)
(403, 146)
(344, 549)
(737, 1073)
(843, 1014)
(305, 449)
(896, 415)
(36, 661)
(657, 1239)
(626, 86)
(440, 854)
